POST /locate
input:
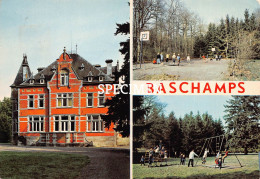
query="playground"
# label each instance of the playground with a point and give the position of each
(173, 168)
(212, 160)
(196, 69)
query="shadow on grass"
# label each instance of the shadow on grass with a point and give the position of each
(254, 174)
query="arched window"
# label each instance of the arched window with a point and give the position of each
(64, 77)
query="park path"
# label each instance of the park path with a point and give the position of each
(106, 163)
(196, 70)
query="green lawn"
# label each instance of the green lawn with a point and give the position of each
(174, 170)
(41, 165)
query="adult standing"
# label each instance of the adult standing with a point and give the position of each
(191, 158)
(179, 59)
(173, 58)
(158, 58)
(161, 57)
(167, 57)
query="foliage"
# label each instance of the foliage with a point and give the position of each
(41, 165)
(242, 121)
(177, 135)
(5, 120)
(119, 105)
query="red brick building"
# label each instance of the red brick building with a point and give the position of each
(60, 104)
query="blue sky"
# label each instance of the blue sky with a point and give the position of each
(42, 28)
(181, 105)
(214, 10)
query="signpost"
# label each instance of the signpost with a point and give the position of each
(144, 36)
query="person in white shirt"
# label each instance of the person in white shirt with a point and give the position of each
(188, 58)
(191, 158)
(205, 156)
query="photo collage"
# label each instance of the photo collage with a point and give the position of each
(128, 89)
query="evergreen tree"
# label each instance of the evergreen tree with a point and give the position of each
(242, 120)
(246, 24)
(5, 120)
(119, 105)
(174, 134)
(200, 46)
(139, 112)
(156, 130)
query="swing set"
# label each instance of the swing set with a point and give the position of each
(216, 144)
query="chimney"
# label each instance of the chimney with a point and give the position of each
(109, 66)
(40, 69)
(97, 66)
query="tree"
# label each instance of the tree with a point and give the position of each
(119, 105)
(5, 120)
(139, 112)
(242, 120)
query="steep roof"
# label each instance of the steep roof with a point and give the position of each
(81, 68)
(19, 77)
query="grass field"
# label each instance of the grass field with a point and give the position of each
(174, 170)
(41, 165)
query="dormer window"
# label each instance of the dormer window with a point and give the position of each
(90, 79)
(64, 77)
(42, 79)
(82, 67)
(31, 81)
(101, 78)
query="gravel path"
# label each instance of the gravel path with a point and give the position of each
(201, 70)
(106, 163)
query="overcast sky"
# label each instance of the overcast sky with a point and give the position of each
(214, 10)
(42, 28)
(181, 105)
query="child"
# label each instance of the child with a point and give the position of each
(165, 156)
(226, 154)
(162, 152)
(183, 159)
(220, 161)
(150, 156)
(156, 150)
(142, 161)
(188, 58)
(205, 156)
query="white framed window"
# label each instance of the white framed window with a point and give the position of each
(41, 101)
(31, 81)
(101, 78)
(64, 100)
(90, 99)
(35, 123)
(101, 100)
(64, 77)
(64, 123)
(41, 81)
(90, 79)
(95, 123)
(30, 101)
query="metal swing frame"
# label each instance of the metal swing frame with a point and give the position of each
(218, 138)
